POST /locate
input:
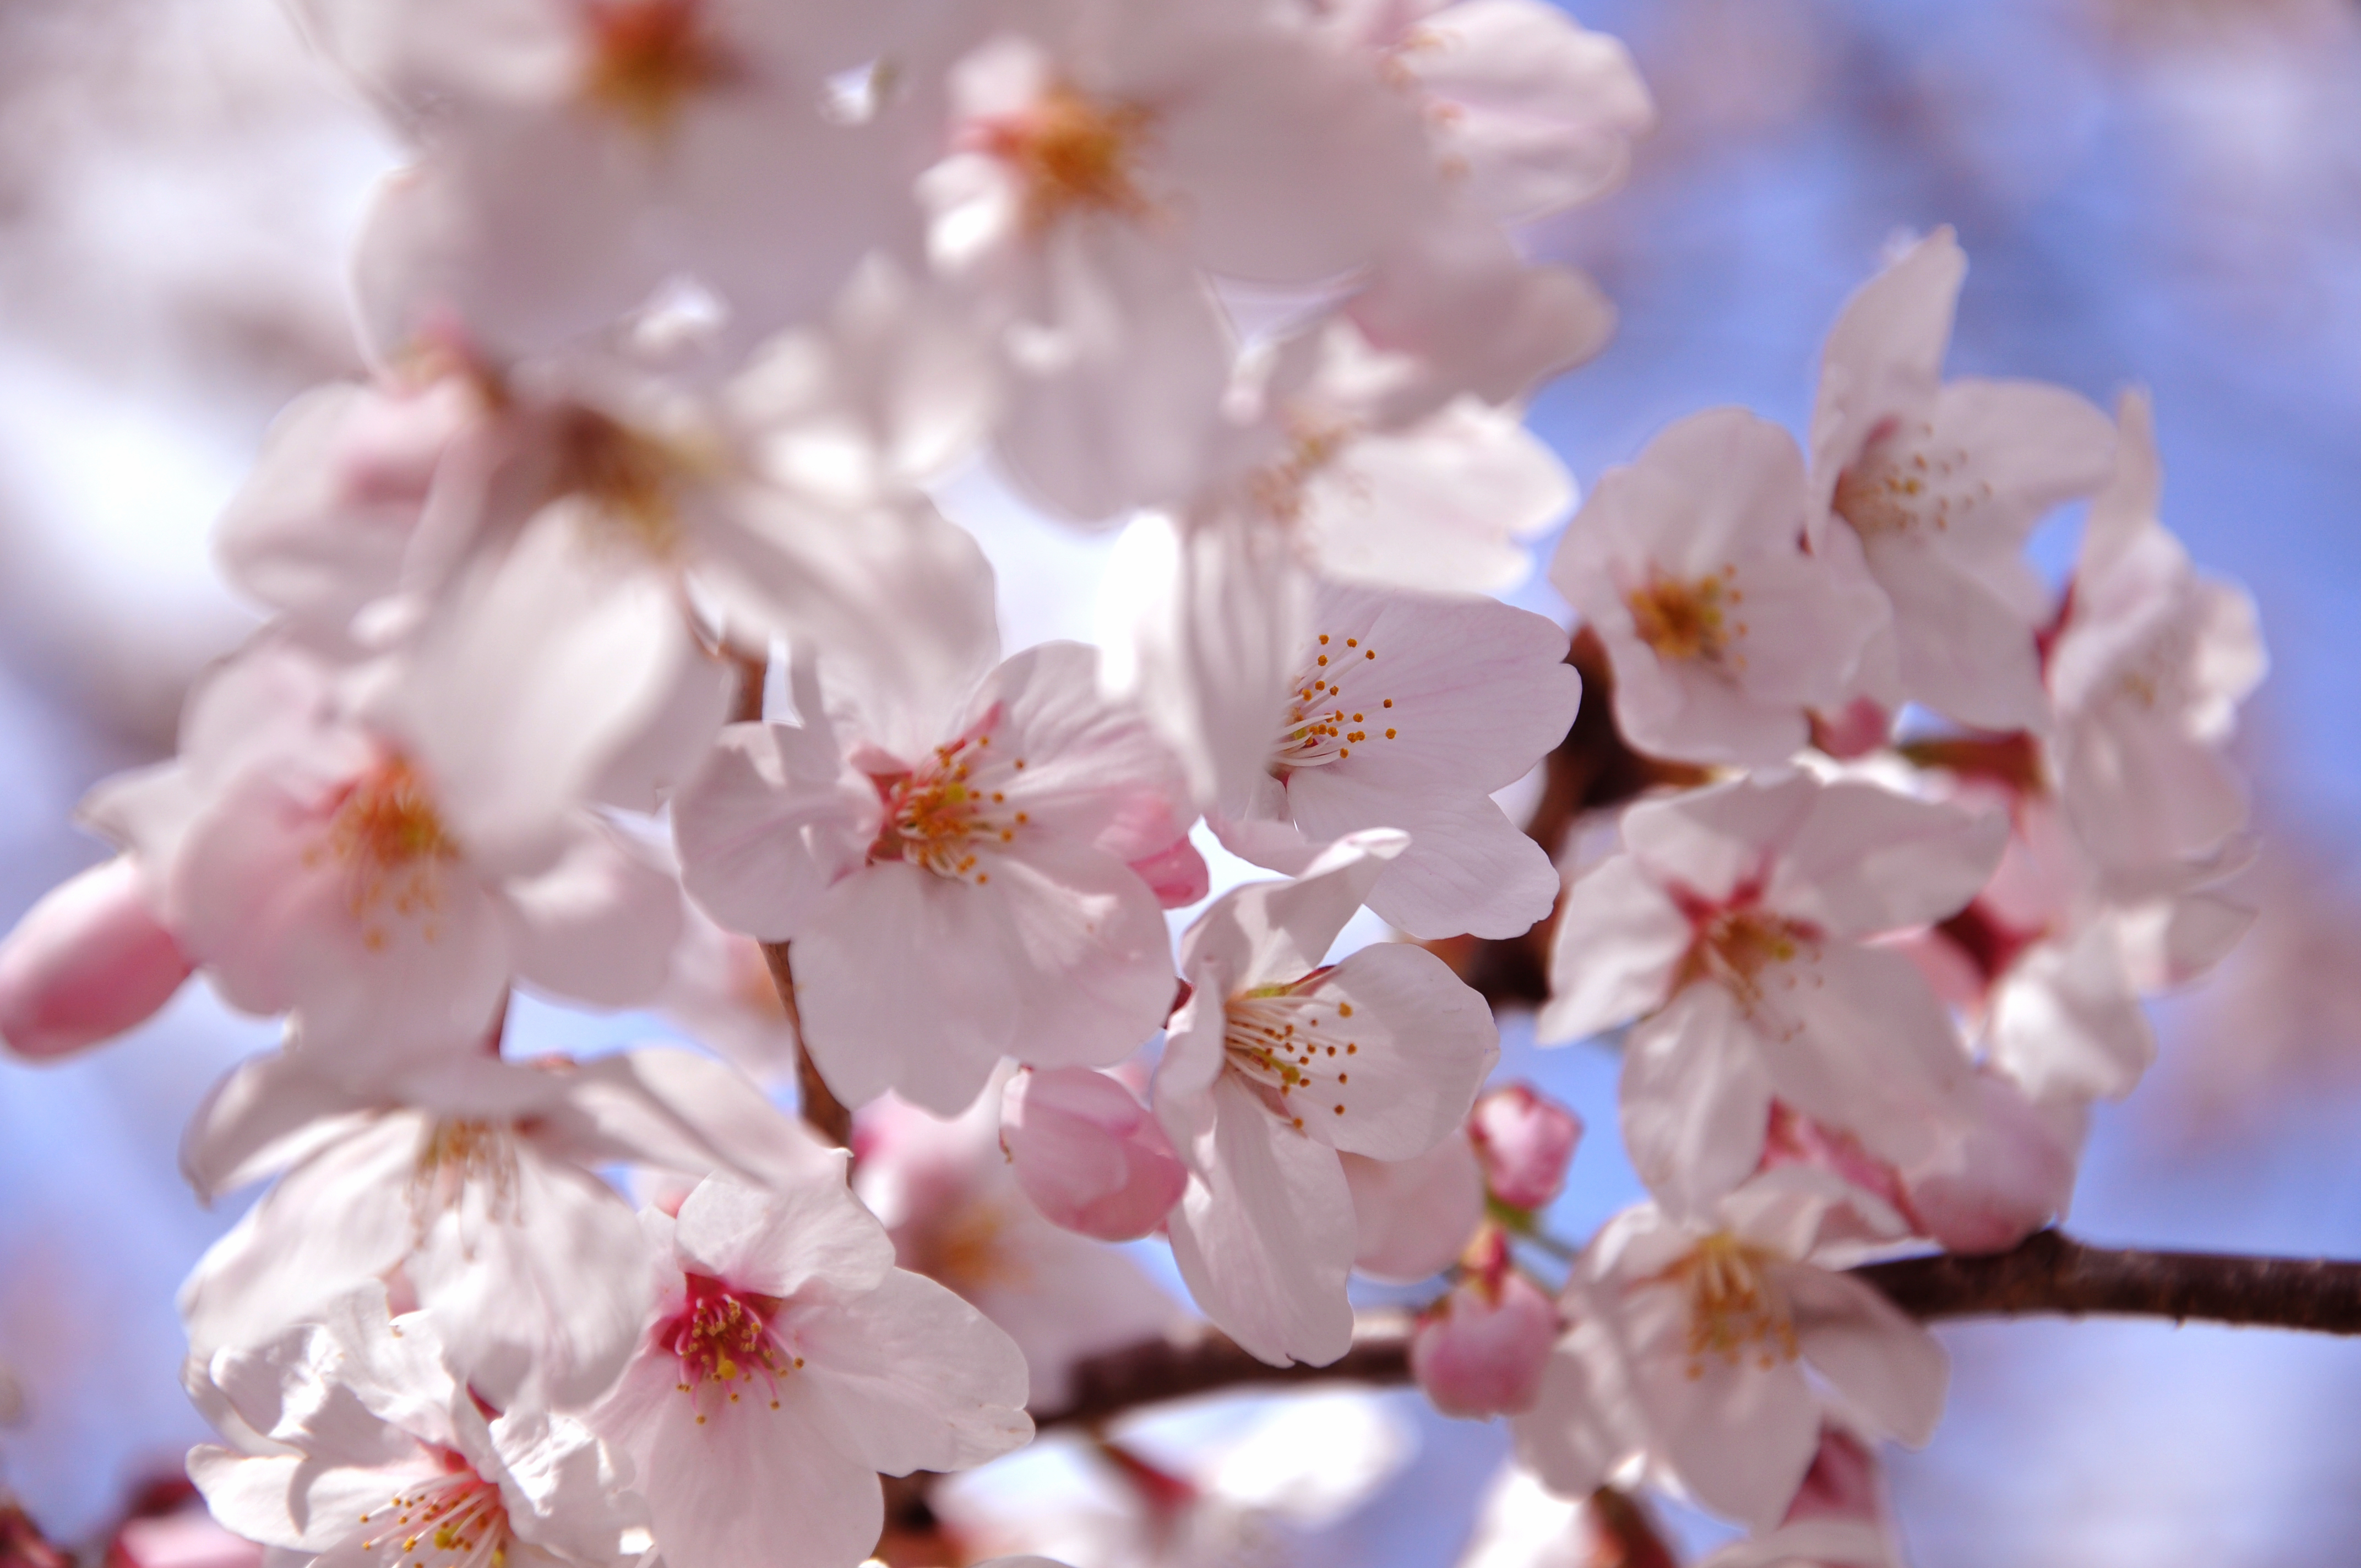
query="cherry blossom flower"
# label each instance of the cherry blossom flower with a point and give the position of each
(960, 1213)
(1481, 1350)
(471, 1184)
(956, 880)
(1276, 1064)
(324, 523)
(1524, 1141)
(1689, 1340)
(1105, 160)
(1529, 113)
(1732, 923)
(87, 963)
(1724, 630)
(1407, 711)
(1086, 1152)
(1940, 482)
(577, 155)
(788, 1363)
(384, 859)
(2147, 671)
(368, 1451)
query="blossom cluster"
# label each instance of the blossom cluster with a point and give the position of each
(617, 652)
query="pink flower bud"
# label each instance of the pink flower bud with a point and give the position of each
(1525, 1143)
(1480, 1350)
(87, 963)
(1088, 1155)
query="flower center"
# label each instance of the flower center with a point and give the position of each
(1075, 153)
(1684, 620)
(966, 1248)
(1735, 947)
(945, 815)
(1324, 720)
(632, 479)
(1734, 1306)
(724, 1339)
(1293, 1043)
(452, 1520)
(648, 58)
(387, 834)
(1897, 485)
(456, 1156)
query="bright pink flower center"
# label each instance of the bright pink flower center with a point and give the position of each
(724, 1339)
(944, 813)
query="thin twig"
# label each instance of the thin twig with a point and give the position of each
(2046, 1274)
(823, 1111)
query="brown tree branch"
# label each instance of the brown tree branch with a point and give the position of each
(2046, 1274)
(822, 1111)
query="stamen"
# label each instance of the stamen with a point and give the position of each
(1270, 1039)
(724, 1338)
(1689, 620)
(940, 815)
(1323, 725)
(1075, 153)
(1735, 1310)
(648, 58)
(1900, 484)
(391, 841)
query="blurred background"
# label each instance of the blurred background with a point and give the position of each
(2165, 192)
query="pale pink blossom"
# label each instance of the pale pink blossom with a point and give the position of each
(471, 1185)
(324, 523)
(87, 963)
(961, 1212)
(1480, 1350)
(1089, 1155)
(363, 1448)
(1939, 483)
(1407, 711)
(1525, 1141)
(1688, 1344)
(1723, 627)
(577, 155)
(956, 878)
(1733, 925)
(1376, 477)
(2147, 671)
(1529, 113)
(1280, 1062)
(1105, 162)
(787, 1364)
(384, 851)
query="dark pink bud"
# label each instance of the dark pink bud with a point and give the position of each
(1088, 1153)
(87, 963)
(1481, 1349)
(1525, 1143)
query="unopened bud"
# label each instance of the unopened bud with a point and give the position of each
(1088, 1153)
(87, 963)
(1525, 1142)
